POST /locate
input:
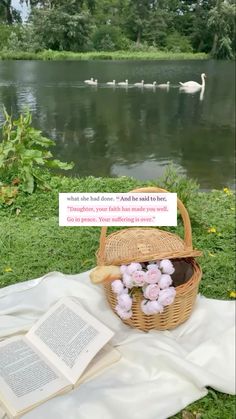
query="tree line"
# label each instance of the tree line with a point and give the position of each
(109, 25)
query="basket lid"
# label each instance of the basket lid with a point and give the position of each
(141, 245)
(138, 244)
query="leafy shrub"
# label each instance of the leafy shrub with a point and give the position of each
(23, 38)
(109, 38)
(174, 181)
(5, 32)
(62, 29)
(22, 151)
(7, 194)
(143, 47)
(224, 51)
(139, 47)
(106, 44)
(176, 42)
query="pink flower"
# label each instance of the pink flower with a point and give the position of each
(123, 313)
(165, 281)
(125, 301)
(139, 278)
(167, 267)
(117, 286)
(153, 276)
(134, 267)
(167, 296)
(154, 262)
(127, 280)
(151, 292)
(144, 307)
(123, 269)
(152, 267)
(151, 307)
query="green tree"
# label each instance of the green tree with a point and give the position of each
(5, 33)
(70, 5)
(138, 13)
(109, 38)
(222, 24)
(156, 28)
(198, 25)
(110, 12)
(62, 25)
(201, 36)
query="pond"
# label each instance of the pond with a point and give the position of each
(130, 131)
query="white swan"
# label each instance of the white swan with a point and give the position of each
(111, 83)
(164, 85)
(88, 81)
(93, 82)
(150, 84)
(123, 83)
(193, 84)
(139, 84)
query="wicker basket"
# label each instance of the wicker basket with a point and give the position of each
(147, 244)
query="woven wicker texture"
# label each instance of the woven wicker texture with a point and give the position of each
(147, 244)
(173, 315)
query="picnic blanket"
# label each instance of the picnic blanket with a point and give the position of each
(159, 372)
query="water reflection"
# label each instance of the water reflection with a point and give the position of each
(193, 90)
(130, 130)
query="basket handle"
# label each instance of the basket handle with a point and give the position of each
(183, 212)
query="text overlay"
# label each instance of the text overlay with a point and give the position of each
(117, 209)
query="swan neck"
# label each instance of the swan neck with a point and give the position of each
(203, 82)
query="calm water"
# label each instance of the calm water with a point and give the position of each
(133, 132)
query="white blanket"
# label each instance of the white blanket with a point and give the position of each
(159, 373)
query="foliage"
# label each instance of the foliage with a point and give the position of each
(136, 52)
(58, 29)
(137, 18)
(178, 43)
(5, 33)
(200, 35)
(82, 25)
(23, 39)
(109, 12)
(174, 181)
(7, 194)
(157, 27)
(109, 38)
(23, 149)
(222, 22)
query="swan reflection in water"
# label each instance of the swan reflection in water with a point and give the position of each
(193, 91)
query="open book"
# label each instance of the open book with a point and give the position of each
(52, 357)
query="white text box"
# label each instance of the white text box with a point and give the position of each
(117, 209)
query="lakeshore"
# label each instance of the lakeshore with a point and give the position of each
(95, 55)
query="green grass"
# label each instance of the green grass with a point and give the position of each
(116, 55)
(32, 244)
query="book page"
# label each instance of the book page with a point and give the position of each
(104, 358)
(26, 377)
(69, 337)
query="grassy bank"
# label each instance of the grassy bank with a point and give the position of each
(32, 244)
(116, 55)
(29, 231)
